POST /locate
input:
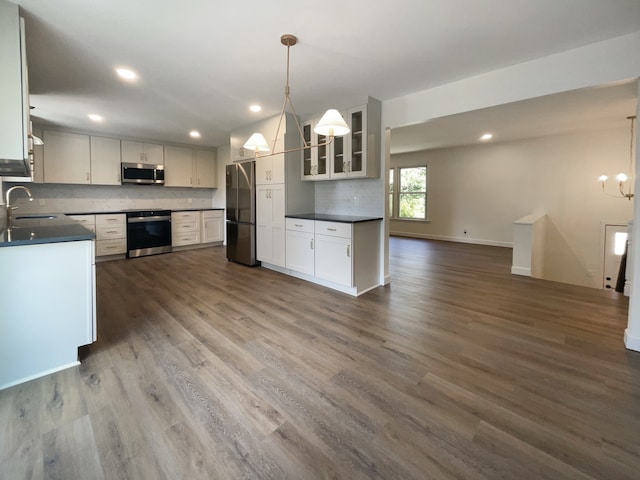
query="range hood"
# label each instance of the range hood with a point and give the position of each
(15, 168)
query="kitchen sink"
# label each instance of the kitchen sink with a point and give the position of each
(35, 217)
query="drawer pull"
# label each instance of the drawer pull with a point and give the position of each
(112, 231)
(332, 229)
(298, 225)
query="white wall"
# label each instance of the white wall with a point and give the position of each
(485, 188)
(595, 64)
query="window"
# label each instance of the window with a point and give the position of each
(391, 192)
(408, 193)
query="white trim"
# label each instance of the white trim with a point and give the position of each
(521, 271)
(38, 375)
(632, 343)
(476, 241)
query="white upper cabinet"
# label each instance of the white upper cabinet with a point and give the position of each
(139, 152)
(315, 161)
(270, 170)
(14, 88)
(105, 161)
(185, 167)
(178, 166)
(206, 169)
(354, 155)
(67, 157)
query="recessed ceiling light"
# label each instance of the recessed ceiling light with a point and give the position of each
(126, 73)
(95, 117)
(486, 136)
(194, 134)
(255, 108)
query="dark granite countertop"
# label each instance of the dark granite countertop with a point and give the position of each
(196, 209)
(328, 217)
(42, 228)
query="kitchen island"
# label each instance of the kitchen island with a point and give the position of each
(338, 251)
(47, 296)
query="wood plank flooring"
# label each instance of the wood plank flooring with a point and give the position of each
(457, 370)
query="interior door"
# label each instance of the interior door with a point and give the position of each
(614, 247)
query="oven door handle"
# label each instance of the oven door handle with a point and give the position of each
(156, 218)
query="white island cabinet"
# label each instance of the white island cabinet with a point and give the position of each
(47, 307)
(337, 251)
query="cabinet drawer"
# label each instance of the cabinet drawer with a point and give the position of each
(300, 225)
(87, 221)
(104, 232)
(111, 247)
(183, 227)
(212, 213)
(185, 238)
(184, 216)
(333, 229)
(110, 219)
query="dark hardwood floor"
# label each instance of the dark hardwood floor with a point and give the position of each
(457, 370)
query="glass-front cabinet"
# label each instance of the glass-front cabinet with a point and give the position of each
(355, 155)
(315, 161)
(354, 161)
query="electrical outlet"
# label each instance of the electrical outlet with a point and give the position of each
(189, 200)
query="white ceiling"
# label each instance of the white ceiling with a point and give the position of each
(202, 62)
(587, 109)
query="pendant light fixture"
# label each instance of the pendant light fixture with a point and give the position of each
(330, 125)
(625, 189)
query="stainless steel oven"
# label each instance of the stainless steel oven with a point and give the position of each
(148, 232)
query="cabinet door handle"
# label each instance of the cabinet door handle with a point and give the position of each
(312, 244)
(88, 176)
(348, 251)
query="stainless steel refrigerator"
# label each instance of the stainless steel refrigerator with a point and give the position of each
(241, 213)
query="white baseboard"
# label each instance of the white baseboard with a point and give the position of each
(631, 342)
(521, 271)
(475, 241)
(38, 375)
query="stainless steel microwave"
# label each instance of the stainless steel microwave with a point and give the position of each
(142, 173)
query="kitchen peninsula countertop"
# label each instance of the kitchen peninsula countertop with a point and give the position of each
(111, 212)
(42, 228)
(328, 217)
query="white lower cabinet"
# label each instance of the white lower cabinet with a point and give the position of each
(211, 226)
(300, 253)
(270, 224)
(185, 228)
(343, 256)
(110, 230)
(111, 234)
(333, 256)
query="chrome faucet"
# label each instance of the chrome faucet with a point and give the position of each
(8, 199)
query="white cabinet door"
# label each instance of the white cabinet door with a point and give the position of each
(300, 252)
(212, 225)
(178, 166)
(270, 238)
(139, 152)
(206, 169)
(105, 161)
(270, 170)
(67, 158)
(14, 94)
(334, 259)
(315, 161)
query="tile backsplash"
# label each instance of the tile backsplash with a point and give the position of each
(56, 198)
(350, 197)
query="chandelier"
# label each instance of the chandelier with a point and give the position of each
(625, 188)
(331, 124)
